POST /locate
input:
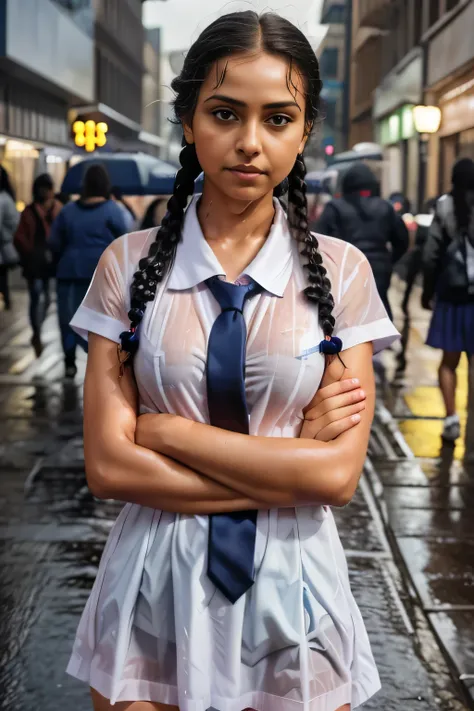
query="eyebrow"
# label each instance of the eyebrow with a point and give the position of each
(237, 102)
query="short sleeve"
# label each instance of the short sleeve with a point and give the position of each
(104, 308)
(359, 312)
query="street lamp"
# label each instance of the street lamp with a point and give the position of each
(427, 120)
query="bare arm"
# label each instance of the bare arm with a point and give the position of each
(117, 467)
(282, 471)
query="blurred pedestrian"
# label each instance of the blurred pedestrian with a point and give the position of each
(448, 266)
(31, 241)
(79, 235)
(63, 198)
(400, 203)
(154, 214)
(127, 211)
(368, 222)
(8, 223)
(415, 257)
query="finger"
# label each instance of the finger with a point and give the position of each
(335, 403)
(329, 391)
(312, 428)
(337, 428)
(340, 386)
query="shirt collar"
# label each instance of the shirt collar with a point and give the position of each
(195, 261)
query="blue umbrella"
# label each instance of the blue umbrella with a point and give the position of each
(130, 172)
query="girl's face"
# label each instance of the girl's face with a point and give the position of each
(249, 130)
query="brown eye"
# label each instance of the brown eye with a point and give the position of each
(224, 114)
(279, 120)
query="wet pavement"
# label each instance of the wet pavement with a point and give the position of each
(408, 536)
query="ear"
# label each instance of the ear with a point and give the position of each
(188, 133)
(303, 143)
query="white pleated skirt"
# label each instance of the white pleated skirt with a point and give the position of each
(156, 629)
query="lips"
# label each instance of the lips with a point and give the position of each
(248, 169)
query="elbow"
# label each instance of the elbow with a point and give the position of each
(99, 481)
(336, 488)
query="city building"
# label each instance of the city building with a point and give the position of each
(120, 56)
(406, 53)
(450, 85)
(47, 65)
(332, 64)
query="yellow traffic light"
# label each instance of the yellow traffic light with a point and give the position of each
(90, 134)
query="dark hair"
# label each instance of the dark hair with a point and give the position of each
(5, 184)
(117, 193)
(42, 185)
(96, 182)
(237, 33)
(63, 198)
(149, 218)
(463, 180)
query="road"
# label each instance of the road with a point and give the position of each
(408, 535)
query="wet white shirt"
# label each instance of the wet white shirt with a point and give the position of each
(155, 628)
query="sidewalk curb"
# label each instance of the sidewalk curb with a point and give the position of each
(375, 483)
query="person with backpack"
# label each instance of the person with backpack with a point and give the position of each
(8, 222)
(448, 284)
(370, 223)
(32, 244)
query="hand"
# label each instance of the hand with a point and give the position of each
(334, 410)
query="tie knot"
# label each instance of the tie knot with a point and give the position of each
(231, 296)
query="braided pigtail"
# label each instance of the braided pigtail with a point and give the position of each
(153, 268)
(319, 289)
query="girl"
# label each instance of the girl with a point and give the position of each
(448, 264)
(224, 583)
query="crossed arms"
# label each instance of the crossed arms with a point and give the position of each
(175, 464)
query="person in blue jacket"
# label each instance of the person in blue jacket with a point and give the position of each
(79, 235)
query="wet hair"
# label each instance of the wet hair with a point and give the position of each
(462, 180)
(5, 184)
(42, 185)
(234, 34)
(96, 182)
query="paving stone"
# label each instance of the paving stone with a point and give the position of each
(442, 570)
(456, 631)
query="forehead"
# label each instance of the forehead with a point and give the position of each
(266, 76)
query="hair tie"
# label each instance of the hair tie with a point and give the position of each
(331, 345)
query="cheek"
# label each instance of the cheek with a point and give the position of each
(211, 146)
(281, 150)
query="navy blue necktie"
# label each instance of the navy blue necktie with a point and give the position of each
(231, 535)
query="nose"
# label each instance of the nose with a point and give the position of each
(249, 142)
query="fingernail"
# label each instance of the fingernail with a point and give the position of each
(361, 393)
(355, 380)
(355, 418)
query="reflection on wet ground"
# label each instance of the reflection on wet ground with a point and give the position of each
(52, 532)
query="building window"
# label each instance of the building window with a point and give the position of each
(335, 15)
(328, 63)
(433, 12)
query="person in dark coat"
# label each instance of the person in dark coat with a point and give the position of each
(31, 242)
(368, 222)
(80, 234)
(448, 284)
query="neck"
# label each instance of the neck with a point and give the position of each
(92, 200)
(233, 222)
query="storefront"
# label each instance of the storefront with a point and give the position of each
(395, 129)
(456, 133)
(450, 85)
(397, 135)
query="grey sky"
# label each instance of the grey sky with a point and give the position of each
(182, 20)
